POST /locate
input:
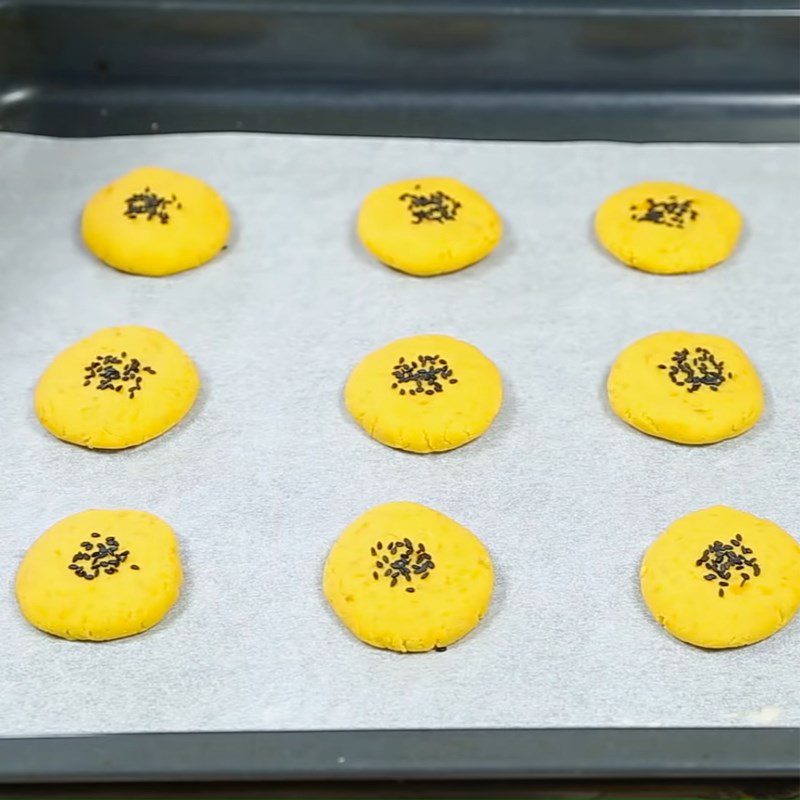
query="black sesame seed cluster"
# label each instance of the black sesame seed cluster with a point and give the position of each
(726, 561)
(427, 375)
(115, 373)
(695, 372)
(434, 207)
(403, 561)
(150, 205)
(670, 212)
(105, 558)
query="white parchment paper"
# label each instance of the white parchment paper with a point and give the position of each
(268, 468)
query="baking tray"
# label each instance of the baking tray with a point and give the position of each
(83, 89)
(277, 472)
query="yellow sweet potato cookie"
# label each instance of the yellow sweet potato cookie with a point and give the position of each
(154, 221)
(405, 577)
(668, 228)
(722, 578)
(117, 388)
(428, 226)
(692, 388)
(424, 393)
(100, 575)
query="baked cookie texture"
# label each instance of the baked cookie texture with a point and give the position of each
(117, 388)
(405, 577)
(100, 574)
(721, 578)
(668, 228)
(428, 226)
(424, 393)
(155, 221)
(691, 388)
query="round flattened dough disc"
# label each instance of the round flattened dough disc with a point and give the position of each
(155, 221)
(100, 574)
(117, 388)
(691, 388)
(428, 226)
(668, 228)
(424, 393)
(445, 595)
(721, 578)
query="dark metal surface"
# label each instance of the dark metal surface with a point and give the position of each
(693, 789)
(631, 71)
(406, 755)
